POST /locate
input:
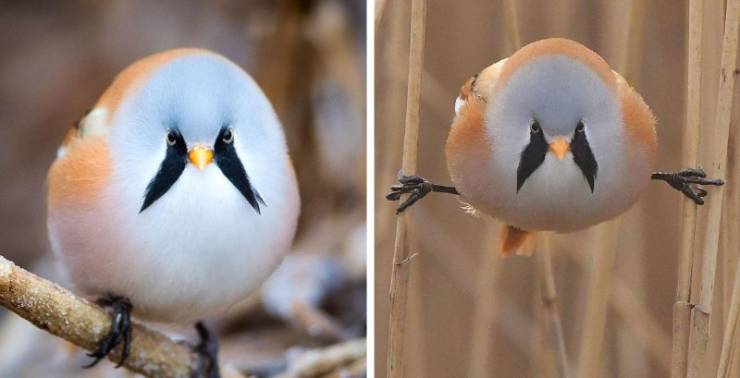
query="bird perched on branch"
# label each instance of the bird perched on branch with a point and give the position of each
(550, 139)
(174, 197)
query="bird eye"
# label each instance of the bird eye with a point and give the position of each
(534, 128)
(580, 127)
(171, 138)
(228, 136)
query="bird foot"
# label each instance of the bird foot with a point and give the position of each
(207, 350)
(683, 180)
(417, 187)
(120, 330)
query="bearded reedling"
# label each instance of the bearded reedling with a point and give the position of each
(174, 197)
(550, 139)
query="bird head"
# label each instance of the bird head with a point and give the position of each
(193, 116)
(554, 107)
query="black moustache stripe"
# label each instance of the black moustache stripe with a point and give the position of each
(584, 158)
(532, 157)
(232, 168)
(536, 151)
(172, 166)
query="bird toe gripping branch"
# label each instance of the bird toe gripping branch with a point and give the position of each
(120, 331)
(418, 187)
(687, 181)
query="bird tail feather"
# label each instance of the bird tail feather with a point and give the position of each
(513, 240)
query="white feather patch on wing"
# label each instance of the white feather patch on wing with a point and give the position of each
(94, 123)
(61, 151)
(458, 104)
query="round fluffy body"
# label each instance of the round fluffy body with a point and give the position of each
(201, 247)
(558, 83)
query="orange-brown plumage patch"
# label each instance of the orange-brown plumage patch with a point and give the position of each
(137, 73)
(556, 46)
(81, 175)
(69, 136)
(488, 78)
(467, 89)
(468, 146)
(639, 122)
(512, 239)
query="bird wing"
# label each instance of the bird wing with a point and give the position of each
(480, 86)
(469, 146)
(639, 121)
(512, 239)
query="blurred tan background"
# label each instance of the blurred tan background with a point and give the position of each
(473, 314)
(308, 56)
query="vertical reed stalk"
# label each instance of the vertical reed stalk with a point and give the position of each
(484, 309)
(682, 308)
(400, 270)
(597, 304)
(549, 295)
(392, 104)
(379, 10)
(513, 36)
(730, 347)
(729, 341)
(633, 357)
(644, 326)
(701, 312)
(602, 272)
(483, 313)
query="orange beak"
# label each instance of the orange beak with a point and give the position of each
(560, 147)
(200, 156)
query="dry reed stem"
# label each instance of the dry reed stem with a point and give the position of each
(543, 352)
(513, 322)
(646, 328)
(278, 52)
(484, 315)
(549, 298)
(392, 103)
(325, 361)
(513, 36)
(597, 304)
(701, 312)
(730, 339)
(682, 308)
(400, 270)
(730, 347)
(602, 272)
(379, 10)
(61, 313)
(634, 41)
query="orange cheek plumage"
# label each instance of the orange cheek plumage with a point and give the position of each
(468, 148)
(81, 175)
(639, 121)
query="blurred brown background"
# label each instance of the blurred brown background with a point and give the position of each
(472, 314)
(308, 56)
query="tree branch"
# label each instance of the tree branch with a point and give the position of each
(61, 313)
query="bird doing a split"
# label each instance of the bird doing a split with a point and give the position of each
(550, 139)
(178, 175)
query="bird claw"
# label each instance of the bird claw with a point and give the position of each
(120, 330)
(207, 350)
(417, 186)
(683, 180)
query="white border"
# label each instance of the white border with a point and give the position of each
(370, 191)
